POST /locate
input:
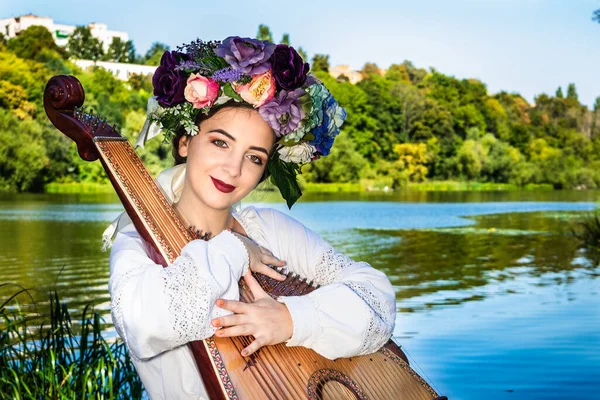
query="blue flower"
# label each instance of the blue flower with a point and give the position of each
(325, 118)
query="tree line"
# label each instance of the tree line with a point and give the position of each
(405, 124)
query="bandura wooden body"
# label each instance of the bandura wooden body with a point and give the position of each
(274, 372)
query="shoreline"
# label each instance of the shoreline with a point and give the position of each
(368, 186)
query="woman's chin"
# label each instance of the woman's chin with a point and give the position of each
(224, 202)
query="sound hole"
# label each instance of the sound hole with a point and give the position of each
(329, 384)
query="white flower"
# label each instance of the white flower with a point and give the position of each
(190, 128)
(300, 153)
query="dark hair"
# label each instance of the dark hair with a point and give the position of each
(203, 117)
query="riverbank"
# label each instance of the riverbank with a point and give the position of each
(364, 186)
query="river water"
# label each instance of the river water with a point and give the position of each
(495, 299)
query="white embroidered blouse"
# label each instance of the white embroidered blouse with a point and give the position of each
(157, 310)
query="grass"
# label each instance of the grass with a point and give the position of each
(587, 230)
(79, 187)
(48, 356)
(385, 185)
(382, 184)
(472, 186)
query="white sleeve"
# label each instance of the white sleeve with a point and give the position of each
(155, 309)
(354, 310)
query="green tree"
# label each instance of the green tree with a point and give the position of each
(33, 40)
(559, 93)
(21, 160)
(343, 164)
(3, 40)
(370, 69)
(596, 16)
(412, 159)
(302, 53)
(406, 72)
(141, 82)
(595, 119)
(412, 106)
(264, 33)
(14, 98)
(572, 92)
(120, 51)
(83, 45)
(154, 53)
(285, 39)
(320, 62)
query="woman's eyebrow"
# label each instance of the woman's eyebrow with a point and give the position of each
(222, 132)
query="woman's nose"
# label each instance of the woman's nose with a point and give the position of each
(233, 166)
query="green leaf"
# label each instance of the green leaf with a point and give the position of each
(283, 175)
(228, 90)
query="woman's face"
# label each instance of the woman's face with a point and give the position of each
(227, 157)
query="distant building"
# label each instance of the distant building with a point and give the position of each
(11, 27)
(120, 70)
(353, 76)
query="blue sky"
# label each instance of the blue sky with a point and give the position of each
(524, 46)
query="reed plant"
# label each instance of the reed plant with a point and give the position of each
(46, 355)
(587, 230)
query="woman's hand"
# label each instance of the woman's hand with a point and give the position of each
(261, 258)
(268, 320)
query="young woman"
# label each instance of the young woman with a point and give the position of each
(230, 146)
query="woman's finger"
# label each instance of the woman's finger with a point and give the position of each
(255, 345)
(264, 250)
(271, 259)
(270, 272)
(229, 320)
(237, 307)
(238, 330)
(254, 286)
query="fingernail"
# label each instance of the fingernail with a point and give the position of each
(284, 262)
(216, 323)
(244, 352)
(220, 302)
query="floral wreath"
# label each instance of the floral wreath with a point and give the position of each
(273, 78)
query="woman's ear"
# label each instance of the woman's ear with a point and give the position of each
(184, 142)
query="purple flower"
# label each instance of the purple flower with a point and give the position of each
(289, 69)
(283, 112)
(227, 75)
(169, 83)
(249, 56)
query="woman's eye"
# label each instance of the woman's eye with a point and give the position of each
(219, 143)
(256, 160)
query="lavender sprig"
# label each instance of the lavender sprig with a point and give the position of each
(194, 66)
(199, 49)
(227, 75)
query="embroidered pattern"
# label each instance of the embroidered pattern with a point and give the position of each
(329, 266)
(381, 322)
(189, 297)
(223, 374)
(322, 376)
(390, 354)
(117, 290)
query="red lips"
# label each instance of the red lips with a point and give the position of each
(222, 186)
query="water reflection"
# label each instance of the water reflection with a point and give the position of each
(496, 248)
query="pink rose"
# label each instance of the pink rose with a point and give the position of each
(260, 89)
(201, 91)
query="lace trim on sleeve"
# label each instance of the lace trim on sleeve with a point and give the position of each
(190, 303)
(116, 305)
(329, 266)
(381, 322)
